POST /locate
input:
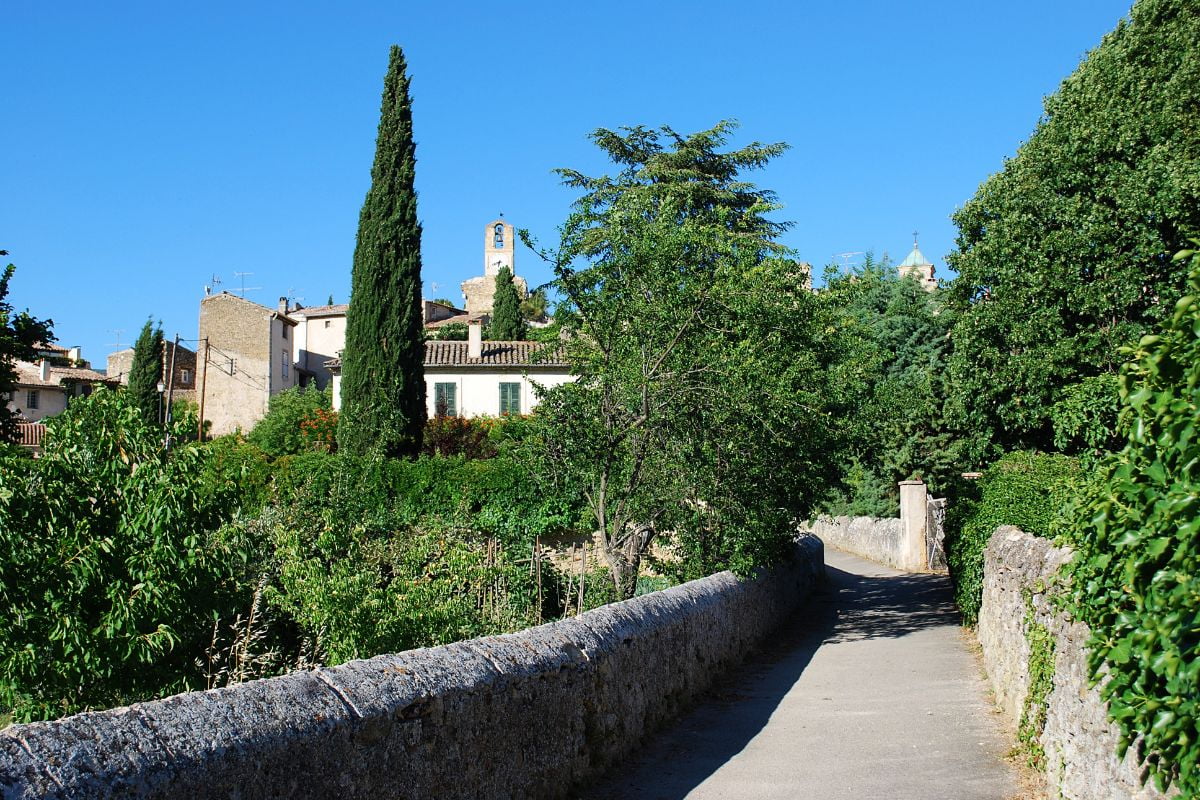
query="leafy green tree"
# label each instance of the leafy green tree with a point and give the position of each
(111, 573)
(285, 429)
(535, 306)
(507, 323)
(1065, 255)
(146, 371)
(383, 384)
(686, 416)
(19, 332)
(892, 346)
(1136, 575)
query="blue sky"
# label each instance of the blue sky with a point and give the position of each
(147, 146)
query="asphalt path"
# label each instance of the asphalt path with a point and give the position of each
(870, 691)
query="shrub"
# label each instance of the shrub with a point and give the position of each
(1028, 490)
(297, 421)
(1136, 575)
(111, 577)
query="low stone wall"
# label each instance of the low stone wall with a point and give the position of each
(523, 715)
(880, 540)
(1080, 742)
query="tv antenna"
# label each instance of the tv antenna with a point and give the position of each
(116, 332)
(212, 285)
(292, 296)
(847, 260)
(244, 288)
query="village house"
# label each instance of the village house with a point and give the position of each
(249, 352)
(182, 387)
(477, 378)
(47, 386)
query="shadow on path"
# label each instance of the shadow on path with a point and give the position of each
(848, 607)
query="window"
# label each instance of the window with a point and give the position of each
(285, 363)
(445, 399)
(510, 398)
(498, 238)
(185, 376)
(285, 329)
(326, 323)
(31, 398)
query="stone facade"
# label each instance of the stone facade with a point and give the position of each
(249, 360)
(528, 714)
(1079, 740)
(499, 250)
(184, 386)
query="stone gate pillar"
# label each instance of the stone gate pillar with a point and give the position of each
(913, 498)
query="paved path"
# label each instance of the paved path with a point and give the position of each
(870, 692)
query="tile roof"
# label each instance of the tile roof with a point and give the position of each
(31, 375)
(493, 354)
(320, 311)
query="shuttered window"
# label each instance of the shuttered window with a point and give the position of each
(445, 399)
(510, 398)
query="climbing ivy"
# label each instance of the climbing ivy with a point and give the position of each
(1137, 574)
(1041, 683)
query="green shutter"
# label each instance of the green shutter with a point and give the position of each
(445, 395)
(510, 398)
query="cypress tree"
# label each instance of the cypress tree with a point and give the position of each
(507, 325)
(383, 376)
(146, 371)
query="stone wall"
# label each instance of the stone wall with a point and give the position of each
(1080, 742)
(523, 715)
(880, 540)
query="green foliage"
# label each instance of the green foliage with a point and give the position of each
(297, 421)
(110, 573)
(1065, 255)
(507, 323)
(535, 306)
(1085, 419)
(383, 383)
(890, 374)
(1027, 490)
(146, 372)
(1041, 683)
(699, 406)
(458, 436)
(1136, 575)
(450, 332)
(19, 332)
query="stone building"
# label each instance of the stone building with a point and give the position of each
(184, 385)
(250, 359)
(916, 265)
(499, 250)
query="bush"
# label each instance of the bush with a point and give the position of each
(1136, 574)
(1028, 490)
(298, 421)
(111, 577)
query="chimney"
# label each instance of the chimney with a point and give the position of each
(44, 368)
(475, 339)
(283, 306)
(75, 354)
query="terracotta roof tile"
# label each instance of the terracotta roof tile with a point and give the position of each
(493, 354)
(31, 375)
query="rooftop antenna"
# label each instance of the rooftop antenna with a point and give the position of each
(116, 332)
(212, 285)
(846, 259)
(292, 296)
(244, 288)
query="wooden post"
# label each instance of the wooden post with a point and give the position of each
(203, 386)
(537, 568)
(170, 391)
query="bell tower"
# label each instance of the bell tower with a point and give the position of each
(498, 248)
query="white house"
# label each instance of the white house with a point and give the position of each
(42, 390)
(477, 378)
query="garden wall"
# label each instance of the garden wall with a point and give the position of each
(1079, 741)
(521, 715)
